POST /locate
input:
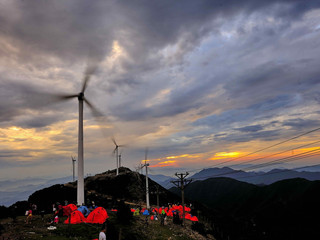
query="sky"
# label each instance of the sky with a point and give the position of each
(197, 82)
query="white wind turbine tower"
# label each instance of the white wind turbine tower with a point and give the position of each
(73, 166)
(81, 99)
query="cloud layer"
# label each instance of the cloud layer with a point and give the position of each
(185, 77)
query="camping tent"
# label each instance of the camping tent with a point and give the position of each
(75, 217)
(136, 212)
(67, 210)
(194, 219)
(146, 212)
(99, 215)
(85, 211)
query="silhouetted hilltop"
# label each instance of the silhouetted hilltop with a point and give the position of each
(288, 209)
(103, 189)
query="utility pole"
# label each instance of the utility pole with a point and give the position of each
(73, 167)
(158, 193)
(182, 183)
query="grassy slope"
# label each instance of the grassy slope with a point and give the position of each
(137, 230)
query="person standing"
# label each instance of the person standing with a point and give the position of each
(29, 216)
(102, 234)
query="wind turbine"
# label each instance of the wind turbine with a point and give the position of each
(81, 99)
(116, 152)
(120, 158)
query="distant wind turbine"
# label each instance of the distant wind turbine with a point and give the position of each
(116, 152)
(81, 99)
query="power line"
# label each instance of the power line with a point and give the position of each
(260, 150)
(283, 170)
(281, 160)
(273, 162)
(272, 155)
(311, 153)
(286, 159)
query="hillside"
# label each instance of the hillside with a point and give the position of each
(104, 189)
(287, 209)
(135, 230)
(120, 192)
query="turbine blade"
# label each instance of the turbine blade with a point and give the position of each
(114, 151)
(63, 96)
(100, 118)
(114, 141)
(85, 83)
(93, 109)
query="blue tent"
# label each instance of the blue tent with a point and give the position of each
(146, 212)
(84, 210)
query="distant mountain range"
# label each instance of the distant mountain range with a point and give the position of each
(17, 190)
(258, 178)
(20, 189)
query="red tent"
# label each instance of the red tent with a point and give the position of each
(75, 218)
(142, 210)
(99, 215)
(187, 209)
(194, 219)
(170, 214)
(69, 209)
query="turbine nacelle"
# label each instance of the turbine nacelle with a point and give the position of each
(81, 96)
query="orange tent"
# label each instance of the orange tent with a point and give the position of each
(75, 218)
(99, 215)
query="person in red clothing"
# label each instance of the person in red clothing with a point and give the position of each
(29, 216)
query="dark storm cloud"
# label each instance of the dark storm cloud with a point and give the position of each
(82, 31)
(275, 77)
